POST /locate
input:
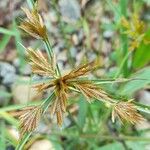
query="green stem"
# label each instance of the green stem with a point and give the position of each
(123, 65)
(48, 49)
(47, 102)
(124, 40)
(23, 141)
(51, 54)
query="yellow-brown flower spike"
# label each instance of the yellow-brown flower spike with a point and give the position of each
(90, 90)
(135, 30)
(33, 25)
(29, 119)
(40, 64)
(61, 86)
(126, 111)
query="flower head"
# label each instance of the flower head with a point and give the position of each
(33, 25)
(63, 85)
(135, 29)
(40, 64)
(126, 111)
(29, 118)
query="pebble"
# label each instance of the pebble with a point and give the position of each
(73, 52)
(23, 92)
(42, 145)
(144, 97)
(70, 10)
(26, 70)
(7, 73)
(108, 34)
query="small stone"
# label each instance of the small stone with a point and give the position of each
(79, 57)
(106, 47)
(75, 39)
(16, 62)
(14, 133)
(144, 97)
(62, 56)
(26, 70)
(59, 47)
(7, 73)
(70, 10)
(73, 52)
(42, 145)
(23, 91)
(108, 34)
(92, 56)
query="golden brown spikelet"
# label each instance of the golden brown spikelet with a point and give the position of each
(33, 25)
(39, 63)
(90, 90)
(43, 86)
(29, 118)
(59, 104)
(80, 71)
(126, 111)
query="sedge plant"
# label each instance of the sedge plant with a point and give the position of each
(62, 85)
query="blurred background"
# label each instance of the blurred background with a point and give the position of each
(80, 31)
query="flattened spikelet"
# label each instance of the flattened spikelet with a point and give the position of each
(29, 119)
(39, 63)
(59, 105)
(89, 90)
(135, 29)
(126, 111)
(81, 71)
(33, 25)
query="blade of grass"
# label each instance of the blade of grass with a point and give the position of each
(4, 41)
(124, 40)
(82, 112)
(23, 141)
(30, 3)
(7, 31)
(19, 48)
(9, 118)
(2, 135)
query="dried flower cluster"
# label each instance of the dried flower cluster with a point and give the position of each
(135, 29)
(34, 25)
(126, 111)
(29, 118)
(62, 85)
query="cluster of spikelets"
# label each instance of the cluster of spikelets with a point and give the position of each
(135, 29)
(62, 85)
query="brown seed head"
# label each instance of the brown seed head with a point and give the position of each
(126, 111)
(40, 64)
(33, 25)
(62, 85)
(29, 119)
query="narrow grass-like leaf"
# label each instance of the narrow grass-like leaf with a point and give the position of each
(83, 107)
(2, 135)
(7, 31)
(130, 87)
(18, 40)
(9, 118)
(23, 141)
(4, 41)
